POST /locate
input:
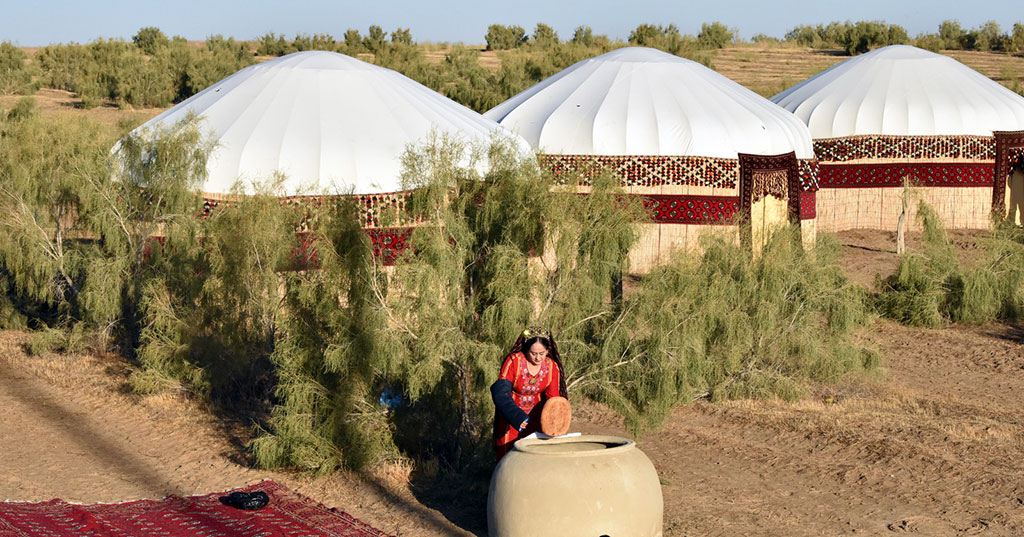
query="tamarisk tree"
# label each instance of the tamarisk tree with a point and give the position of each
(499, 250)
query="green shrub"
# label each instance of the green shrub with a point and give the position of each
(730, 325)
(353, 42)
(1016, 40)
(713, 36)
(665, 38)
(150, 39)
(544, 36)
(500, 37)
(402, 36)
(315, 42)
(271, 44)
(952, 35)
(375, 39)
(209, 308)
(988, 36)
(46, 203)
(14, 76)
(932, 287)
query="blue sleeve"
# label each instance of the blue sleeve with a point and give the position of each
(501, 393)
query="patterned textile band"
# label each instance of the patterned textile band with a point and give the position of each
(892, 175)
(371, 208)
(808, 205)
(912, 147)
(652, 171)
(694, 210)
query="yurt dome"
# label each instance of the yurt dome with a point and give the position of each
(324, 119)
(642, 101)
(904, 91)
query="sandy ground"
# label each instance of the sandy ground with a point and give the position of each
(932, 445)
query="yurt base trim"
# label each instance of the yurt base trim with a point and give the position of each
(849, 148)
(927, 174)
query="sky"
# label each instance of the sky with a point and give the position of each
(29, 23)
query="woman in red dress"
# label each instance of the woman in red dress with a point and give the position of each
(531, 374)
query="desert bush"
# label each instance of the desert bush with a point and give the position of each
(544, 36)
(209, 309)
(402, 36)
(665, 38)
(119, 72)
(930, 42)
(151, 193)
(375, 39)
(932, 287)
(467, 82)
(353, 42)
(500, 37)
(1016, 40)
(714, 35)
(988, 36)
(329, 369)
(805, 35)
(583, 35)
(864, 36)
(271, 44)
(952, 35)
(62, 66)
(726, 324)
(854, 38)
(46, 166)
(14, 75)
(764, 38)
(150, 39)
(411, 62)
(315, 42)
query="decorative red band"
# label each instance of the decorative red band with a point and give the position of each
(892, 175)
(808, 205)
(695, 210)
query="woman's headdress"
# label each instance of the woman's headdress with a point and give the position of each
(536, 331)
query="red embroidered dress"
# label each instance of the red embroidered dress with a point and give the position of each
(527, 391)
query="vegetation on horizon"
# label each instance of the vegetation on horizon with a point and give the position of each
(154, 70)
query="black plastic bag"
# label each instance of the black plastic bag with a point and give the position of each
(248, 501)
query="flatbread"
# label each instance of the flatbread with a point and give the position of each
(555, 416)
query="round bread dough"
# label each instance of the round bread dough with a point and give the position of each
(555, 416)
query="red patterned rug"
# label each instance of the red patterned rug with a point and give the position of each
(288, 514)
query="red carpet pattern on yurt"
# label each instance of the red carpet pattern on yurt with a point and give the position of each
(288, 514)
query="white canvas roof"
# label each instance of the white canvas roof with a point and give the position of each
(324, 119)
(903, 90)
(641, 101)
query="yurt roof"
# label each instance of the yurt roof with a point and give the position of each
(325, 120)
(902, 90)
(642, 101)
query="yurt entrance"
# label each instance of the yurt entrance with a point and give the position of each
(1008, 186)
(769, 196)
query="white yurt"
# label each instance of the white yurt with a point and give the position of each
(672, 129)
(899, 113)
(329, 123)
